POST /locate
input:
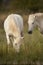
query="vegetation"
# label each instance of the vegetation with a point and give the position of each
(32, 5)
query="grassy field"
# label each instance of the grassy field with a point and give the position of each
(31, 51)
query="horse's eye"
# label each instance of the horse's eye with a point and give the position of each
(33, 23)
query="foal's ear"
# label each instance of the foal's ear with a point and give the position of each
(22, 37)
(34, 16)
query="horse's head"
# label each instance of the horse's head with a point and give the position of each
(17, 43)
(31, 23)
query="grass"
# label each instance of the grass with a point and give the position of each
(31, 50)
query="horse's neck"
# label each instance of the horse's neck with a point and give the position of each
(39, 24)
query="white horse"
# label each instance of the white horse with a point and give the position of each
(13, 26)
(35, 20)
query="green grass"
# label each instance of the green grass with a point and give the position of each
(31, 50)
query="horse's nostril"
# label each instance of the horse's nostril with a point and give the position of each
(16, 44)
(41, 32)
(30, 32)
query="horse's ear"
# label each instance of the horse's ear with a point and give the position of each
(35, 17)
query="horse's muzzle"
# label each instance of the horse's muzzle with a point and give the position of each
(29, 32)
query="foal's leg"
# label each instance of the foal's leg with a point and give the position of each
(8, 40)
